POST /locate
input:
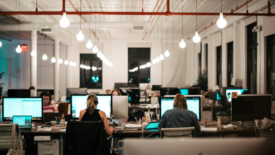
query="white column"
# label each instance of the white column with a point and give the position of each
(34, 59)
(56, 69)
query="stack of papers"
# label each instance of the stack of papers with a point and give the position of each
(132, 126)
(228, 126)
(44, 129)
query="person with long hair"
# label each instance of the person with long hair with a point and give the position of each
(47, 106)
(179, 116)
(92, 114)
(115, 92)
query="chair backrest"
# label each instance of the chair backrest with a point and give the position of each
(5, 136)
(177, 132)
(87, 137)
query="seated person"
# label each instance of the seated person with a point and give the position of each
(179, 116)
(47, 106)
(92, 114)
(115, 92)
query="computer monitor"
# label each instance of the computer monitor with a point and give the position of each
(251, 107)
(73, 91)
(193, 104)
(194, 91)
(184, 91)
(120, 85)
(169, 91)
(143, 86)
(120, 107)
(79, 102)
(229, 93)
(32, 106)
(19, 93)
(223, 91)
(132, 93)
(156, 87)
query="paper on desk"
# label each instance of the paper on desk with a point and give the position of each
(44, 129)
(208, 129)
(228, 126)
(62, 130)
(133, 126)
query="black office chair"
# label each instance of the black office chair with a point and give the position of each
(88, 137)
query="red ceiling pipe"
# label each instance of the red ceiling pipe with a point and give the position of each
(63, 5)
(136, 13)
(168, 7)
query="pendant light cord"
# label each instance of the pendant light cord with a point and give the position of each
(182, 21)
(196, 14)
(166, 33)
(80, 14)
(221, 6)
(89, 21)
(19, 24)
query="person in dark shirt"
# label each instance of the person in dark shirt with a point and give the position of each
(93, 114)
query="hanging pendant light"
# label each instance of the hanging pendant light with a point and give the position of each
(66, 62)
(95, 49)
(80, 35)
(53, 60)
(166, 53)
(33, 53)
(196, 38)
(161, 57)
(99, 54)
(18, 49)
(221, 23)
(44, 57)
(0, 44)
(64, 21)
(157, 59)
(89, 44)
(60, 61)
(182, 43)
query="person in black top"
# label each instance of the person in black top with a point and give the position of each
(92, 114)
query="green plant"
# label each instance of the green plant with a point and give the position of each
(203, 80)
(226, 106)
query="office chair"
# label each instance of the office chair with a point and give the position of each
(269, 135)
(186, 132)
(87, 137)
(5, 137)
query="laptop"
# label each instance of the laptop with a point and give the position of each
(50, 117)
(24, 122)
(152, 126)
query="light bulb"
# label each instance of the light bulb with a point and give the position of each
(157, 59)
(74, 64)
(33, 53)
(64, 21)
(66, 62)
(182, 44)
(18, 49)
(196, 38)
(167, 53)
(89, 44)
(44, 57)
(60, 61)
(99, 54)
(0, 44)
(161, 57)
(53, 60)
(95, 49)
(71, 63)
(154, 61)
(148, 64)
(221, 23)
(80, 36)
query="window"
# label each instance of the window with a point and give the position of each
(251, 59)
(229, 63)
(136, 58)
(219, 66)
(270, 78)
(90, 71)
(199, 55)
(206, 58)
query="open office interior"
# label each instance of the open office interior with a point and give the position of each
(218, 54)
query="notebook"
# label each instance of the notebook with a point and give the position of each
(24, 122)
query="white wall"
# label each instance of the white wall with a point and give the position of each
(62, 70)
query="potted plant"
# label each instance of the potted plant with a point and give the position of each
(1, 84)
(203, 80)
(225, 113)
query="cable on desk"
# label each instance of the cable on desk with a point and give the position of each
(150, 134)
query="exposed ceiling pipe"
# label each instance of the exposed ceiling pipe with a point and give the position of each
(80, 17)
(5, 39)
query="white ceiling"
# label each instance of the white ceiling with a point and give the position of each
(170, 23)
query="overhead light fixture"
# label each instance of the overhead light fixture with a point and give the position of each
(154, 61)
(80, 35)
(64, 21)
(53, 60)
(89, 44)
(0, 44)
(148, 64)
(95, 49)
(221, 23)
(161, 57)
(66, 62)
(167, 53)
(182, 43)
(196, 38)
(44, 57)
(71, 63)
(33, 53)
(60, 61)
(99, 54)
(18, 49)
(157, 59)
